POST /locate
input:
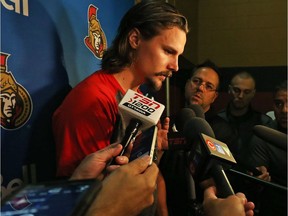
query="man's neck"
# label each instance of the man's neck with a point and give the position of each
(127, 80)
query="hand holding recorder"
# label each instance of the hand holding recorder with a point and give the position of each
(127, 190)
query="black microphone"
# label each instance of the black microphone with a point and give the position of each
(208, 156)
(177, 140)
(256, 180)
(183, 117)
(272, 136)
(198, 110)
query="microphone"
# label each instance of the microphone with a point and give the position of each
(183, 117)
(256, 180)
(137, 106)
(208, 155)
(198, 110)
(272, 136)
(177, 140)
(139, 113)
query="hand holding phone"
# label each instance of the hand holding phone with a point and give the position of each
(145, 144)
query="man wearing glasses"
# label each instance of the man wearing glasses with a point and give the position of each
(202, 89)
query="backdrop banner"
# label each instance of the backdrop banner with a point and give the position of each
(47, 47)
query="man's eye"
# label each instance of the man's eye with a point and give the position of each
(196, 81)
(247, 92)
(236, 90)
(168, 51)
(278, 104)
(209, 87)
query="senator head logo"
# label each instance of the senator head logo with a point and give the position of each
(96, 40)
(16, 103)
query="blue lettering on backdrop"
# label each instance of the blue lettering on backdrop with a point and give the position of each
(47, 48)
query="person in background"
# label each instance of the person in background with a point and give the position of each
(268, 157)
(202, 88)
(150, 38)
(280, 107)
(242, 117)
(128, 189)
(240, 114)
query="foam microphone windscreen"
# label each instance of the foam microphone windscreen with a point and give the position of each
(183, 117)
(272, 136)
(137, 106)
(195, 126)
(198, 110)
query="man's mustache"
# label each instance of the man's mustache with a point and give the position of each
(167, 74)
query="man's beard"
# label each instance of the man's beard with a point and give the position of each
(152, 84)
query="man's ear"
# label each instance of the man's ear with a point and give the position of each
(254, 92)
(134, 38)
(215, 96)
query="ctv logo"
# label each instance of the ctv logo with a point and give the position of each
(19, 6)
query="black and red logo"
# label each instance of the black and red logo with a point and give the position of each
(142, 104)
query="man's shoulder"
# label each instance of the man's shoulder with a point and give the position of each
(100, 78)
(267, 120)
(264, 119)
(100, 82)
(223, 114)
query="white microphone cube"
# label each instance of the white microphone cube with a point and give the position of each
(135, 105)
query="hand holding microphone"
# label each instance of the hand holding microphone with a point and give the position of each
(207, 164)
(208, 155)
(233, 205)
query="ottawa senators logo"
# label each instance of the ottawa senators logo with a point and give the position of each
(96, 39)
(16, 103)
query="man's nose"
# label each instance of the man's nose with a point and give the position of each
(241, 94)
(173, 65)
(201, 86)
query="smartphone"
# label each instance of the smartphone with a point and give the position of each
(145, 144)
(65, 198)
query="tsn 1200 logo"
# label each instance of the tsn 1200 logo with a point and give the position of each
(142, 104)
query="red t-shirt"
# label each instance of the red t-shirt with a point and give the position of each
(85, 121)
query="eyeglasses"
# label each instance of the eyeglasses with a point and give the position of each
(206, 85)
(237, 90)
